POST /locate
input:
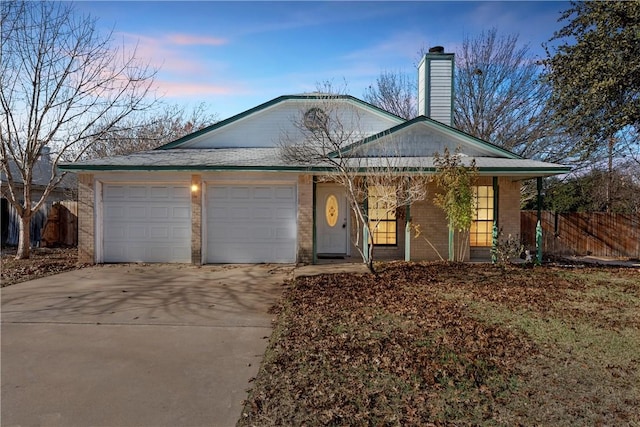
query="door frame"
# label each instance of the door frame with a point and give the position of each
(319, 217)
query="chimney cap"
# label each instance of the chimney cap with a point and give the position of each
(436, 49)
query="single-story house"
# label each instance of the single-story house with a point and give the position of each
(225, 194)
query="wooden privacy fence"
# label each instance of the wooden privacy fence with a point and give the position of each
(62, 225)
(583, 233)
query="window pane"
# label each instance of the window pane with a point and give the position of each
(482, 226)
(473, 239)
(385, 231)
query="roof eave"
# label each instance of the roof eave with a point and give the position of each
(484, 171)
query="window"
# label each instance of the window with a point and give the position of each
(315, 119)
(382, 220)
(481, 233)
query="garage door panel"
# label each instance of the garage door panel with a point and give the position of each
(160, 193)
(159, 212)
(115, 212)
(182, 212)
(251, 223)
(136, 192)
(183, 233)
(134, 234)
(263, 193)
(158, 233)
(113, 192)
(117, 232)
(241, 193)
(262, 213)
(146, 223)
(243, 212)
(136, 212)
(282, 213)
(285, 193)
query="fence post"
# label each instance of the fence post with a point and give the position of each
(496, 216)
(539, 224)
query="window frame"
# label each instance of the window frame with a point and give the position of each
(374, 222)
(481, 230)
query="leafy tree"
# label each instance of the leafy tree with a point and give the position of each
(62, 83)
(595, 71)
(146, 132)
(457, 200)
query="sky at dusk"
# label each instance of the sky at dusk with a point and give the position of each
(236, 55)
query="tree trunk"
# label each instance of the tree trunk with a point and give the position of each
(24, 240)
(370, 260)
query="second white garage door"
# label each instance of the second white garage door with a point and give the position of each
(251, 223)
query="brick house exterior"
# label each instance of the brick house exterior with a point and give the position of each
(227, 194)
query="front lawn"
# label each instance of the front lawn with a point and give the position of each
(435, 344)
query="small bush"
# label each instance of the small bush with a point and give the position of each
(508, 249)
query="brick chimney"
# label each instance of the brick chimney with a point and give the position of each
(435, 85)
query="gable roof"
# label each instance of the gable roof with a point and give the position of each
(412, 143)
(416, 147)
(255, 111)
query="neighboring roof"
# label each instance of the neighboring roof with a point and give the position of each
(41, 175)
(281, 99)
(261, 159)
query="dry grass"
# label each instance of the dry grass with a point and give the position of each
(436, 344)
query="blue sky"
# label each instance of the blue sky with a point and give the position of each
(236, 55)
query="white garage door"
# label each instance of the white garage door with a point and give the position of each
(251, 223)
(147, 223)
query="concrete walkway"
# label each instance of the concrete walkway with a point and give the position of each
(330, 268)
(135, 345)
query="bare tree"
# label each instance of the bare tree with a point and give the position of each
(149, 131)
(395, 93)
(62, 84)
(498, 97)
(328, 135)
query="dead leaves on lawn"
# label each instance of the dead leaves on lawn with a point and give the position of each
(405, 347)
(43, 262)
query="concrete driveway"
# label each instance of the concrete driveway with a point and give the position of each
(135, 345)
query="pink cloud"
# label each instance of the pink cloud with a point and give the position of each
(188, 39)
(163, 54)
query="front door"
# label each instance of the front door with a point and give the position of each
(332, 220)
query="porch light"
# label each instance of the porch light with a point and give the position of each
(194, 188)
